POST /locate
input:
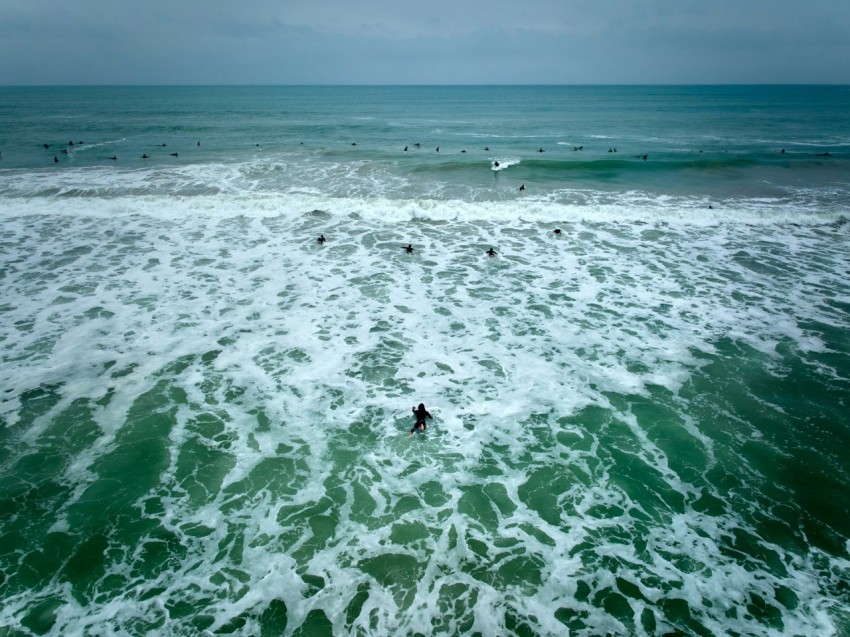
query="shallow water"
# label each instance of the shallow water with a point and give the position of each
(639, 423)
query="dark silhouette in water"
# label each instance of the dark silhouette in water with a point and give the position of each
(45, 145)
(405, 149)
(144, 156)
(421, 414)
(321, 239)
(174, 154)
(540, 150)
(113, 157)
(823, 155)
(557, 231)
(408, 248)
(438, 149)
(495, 164)
(522, 187)
(55, 159)
(491, 252)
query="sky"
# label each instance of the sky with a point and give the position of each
(55, 42)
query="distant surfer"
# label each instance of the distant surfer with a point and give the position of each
(539, 150)
(421, 414)
(522, 187)
(438, 149)
(823, 155)
(491, 252)
(321, 239)
(495, 164)
(557, 231)
(174, 154)
(144, 156)
(113, 158)
(408, 248)
(405, 149)
(55, 159)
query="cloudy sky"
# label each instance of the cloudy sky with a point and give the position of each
(424, 42)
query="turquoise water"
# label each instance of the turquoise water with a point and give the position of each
(640, 423)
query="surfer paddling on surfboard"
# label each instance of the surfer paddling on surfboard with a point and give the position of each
(421, 414)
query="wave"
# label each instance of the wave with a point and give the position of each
(468, 187)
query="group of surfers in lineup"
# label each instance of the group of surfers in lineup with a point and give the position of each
(64, 151)
(417, 145)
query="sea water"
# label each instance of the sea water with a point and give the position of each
(640, 423)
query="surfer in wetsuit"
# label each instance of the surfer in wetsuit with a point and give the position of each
(421, 414)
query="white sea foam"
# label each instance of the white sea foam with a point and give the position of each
(307, 358)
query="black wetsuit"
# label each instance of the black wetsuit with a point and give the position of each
(421, 414)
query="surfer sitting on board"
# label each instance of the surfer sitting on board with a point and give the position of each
(421, 414)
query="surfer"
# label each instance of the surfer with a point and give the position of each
(174, 154)
(113, 157)
(522, 187)
(421, 414)
(55, 159)
(557, 231)
(491, 252)
(408, 248)
(144, 156)
(321, 239)
(405, 149)
(495, 164)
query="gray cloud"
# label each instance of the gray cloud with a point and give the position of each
(442, 41)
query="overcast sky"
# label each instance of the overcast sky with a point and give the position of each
(424, 42)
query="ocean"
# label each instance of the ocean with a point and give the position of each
(640, 402)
